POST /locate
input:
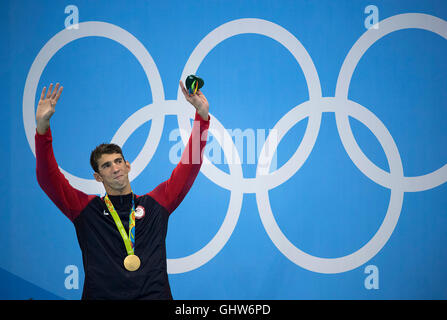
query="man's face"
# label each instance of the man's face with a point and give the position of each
(113, 172)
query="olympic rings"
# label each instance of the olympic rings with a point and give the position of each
(264, 180)
(395, 23)
(89, 29)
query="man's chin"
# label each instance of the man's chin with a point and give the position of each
(118, 186)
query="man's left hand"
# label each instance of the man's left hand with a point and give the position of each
(198, 100)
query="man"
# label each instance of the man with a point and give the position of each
(119, 264)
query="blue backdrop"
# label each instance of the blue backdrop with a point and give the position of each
(350, 201)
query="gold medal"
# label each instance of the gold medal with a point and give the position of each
(132, 262)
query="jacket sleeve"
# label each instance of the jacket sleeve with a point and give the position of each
(68, 199)
(170, 193)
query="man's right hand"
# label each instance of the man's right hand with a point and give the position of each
(47, 107)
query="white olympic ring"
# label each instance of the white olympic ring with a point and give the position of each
(264, 180)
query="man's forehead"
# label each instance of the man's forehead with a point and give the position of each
(105, 157)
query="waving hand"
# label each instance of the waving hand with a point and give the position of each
(47, 107)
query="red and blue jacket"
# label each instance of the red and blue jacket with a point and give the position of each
(103, 249)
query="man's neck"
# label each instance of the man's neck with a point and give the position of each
(114, 192)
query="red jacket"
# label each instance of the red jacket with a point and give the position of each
(102, 247)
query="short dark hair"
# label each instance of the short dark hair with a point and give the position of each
(103, 148)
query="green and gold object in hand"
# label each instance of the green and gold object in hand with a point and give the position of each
(193, 83)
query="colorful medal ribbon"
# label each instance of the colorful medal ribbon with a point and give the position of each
(129, 240)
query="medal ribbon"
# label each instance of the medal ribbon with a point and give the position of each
(129, 240)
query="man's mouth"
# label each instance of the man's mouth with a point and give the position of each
(117, 177)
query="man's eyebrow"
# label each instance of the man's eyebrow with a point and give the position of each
(105, 163)
(108, 162)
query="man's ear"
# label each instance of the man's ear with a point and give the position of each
(97, 177)
(128, 165)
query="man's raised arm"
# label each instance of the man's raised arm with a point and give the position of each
(69, 200)
(171, 192)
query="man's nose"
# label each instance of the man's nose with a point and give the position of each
(116, 167)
